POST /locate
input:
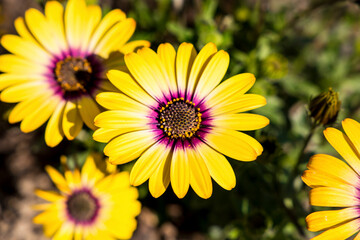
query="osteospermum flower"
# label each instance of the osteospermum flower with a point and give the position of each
(175, 115)
(96, 203)
(58, 64)
(336, 183)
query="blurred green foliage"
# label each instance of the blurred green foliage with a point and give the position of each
(296, 50)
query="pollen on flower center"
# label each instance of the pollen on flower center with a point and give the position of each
(179, 118)
(82, 207)
(73, 74)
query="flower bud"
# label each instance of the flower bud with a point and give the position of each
(325, 107)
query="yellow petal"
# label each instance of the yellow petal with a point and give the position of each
(57, 179)
(319, 221)
(213, 73)
(97, 233)
(27, 107)
(184, 60)
(41, 29)
(143, 74)
(66, 230)
(219, 168)
(157, 68)
(340, 232)
(148, 162)
(340, 142)
(54, 13)
(88, 110)
(315, 178)
(121, 227)
(23, 30)
(200, 179)
(75, 20)
(236, 85)
(93, 18)
(24, 91)
(73, 178)
(105, 135)
(200, 63)
(11, 79)
(53, 132)
(234, 144)
(106, 23)
(324, 164)
(167, 55)
(51, 214)
(125, 83)
(119, 101)
(180, 172)
(71, 121)
(334, 197)
(50, 196)
(237, 104)
(128, 146)
(116, 119)
(160, 179)
(51, 227)
(14, 64)
(41, 207)
(26, 49)
(133, 46)
(50, 219)
(78, 232)
(117, 36)
(115, 182)
(242, 121)
(90, 172)
(352, 130)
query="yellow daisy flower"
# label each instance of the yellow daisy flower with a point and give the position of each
(175, 115)
(335, 183)
(58, 64)
(92, 204)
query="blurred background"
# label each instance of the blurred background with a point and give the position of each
(296, 49)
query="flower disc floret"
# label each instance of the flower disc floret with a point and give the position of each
(179, 118)
(73, 74)
(82, 206)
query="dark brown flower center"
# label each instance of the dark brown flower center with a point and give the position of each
(179, 118)
(82, 206)
(73, 74)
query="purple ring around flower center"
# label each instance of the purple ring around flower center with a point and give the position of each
(82, 207)
(181, 121)
(74, 76)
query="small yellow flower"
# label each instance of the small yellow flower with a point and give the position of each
(176, 116)
(58, 65)
(336, 183)
(92, 204)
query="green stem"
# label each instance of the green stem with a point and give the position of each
(296, 169)
(290, 212)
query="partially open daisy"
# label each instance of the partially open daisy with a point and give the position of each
(175, 115)
(58, 64)
(336, 183)
(96, 203)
